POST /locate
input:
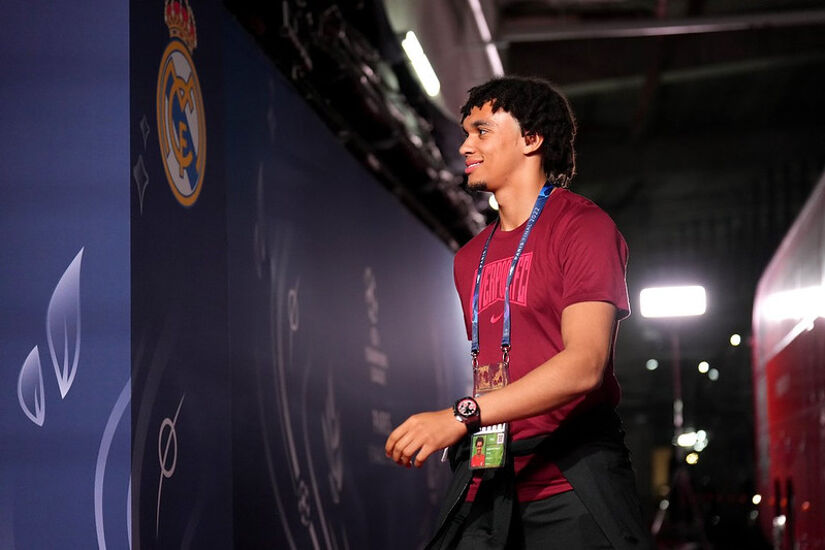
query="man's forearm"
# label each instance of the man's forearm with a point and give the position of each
(587, 334)
(568, 375)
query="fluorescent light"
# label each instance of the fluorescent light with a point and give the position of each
(484, 31)
(697, 440)
(673, 301)
(494, 59)
(423, 69)
(686, 439)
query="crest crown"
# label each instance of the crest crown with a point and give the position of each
(180, 19)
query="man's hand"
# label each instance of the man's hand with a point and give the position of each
(423, 434)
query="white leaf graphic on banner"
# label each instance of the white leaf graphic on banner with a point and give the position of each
(63, 325)
(30, 388)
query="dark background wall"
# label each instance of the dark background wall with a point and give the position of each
(253, 349)
(181, 420)
(282, 323)
(343, 320)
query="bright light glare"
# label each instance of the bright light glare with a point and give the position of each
(692, 458)
(704, 366)
(673, 301)
(757, 498)
(652, 364)
(779, 521)
(701, 441)
(697, 440)
(735, 340)
(798, 304)
(713, 374)
(421, 64)
(664, 504)
(493, 202)
(686, 439)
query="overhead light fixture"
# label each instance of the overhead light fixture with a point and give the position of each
(421, 65)
(687, 439)
(673, 301)
(735, 340)
(484, 31)
(697, 440)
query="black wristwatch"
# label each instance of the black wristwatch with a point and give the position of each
(467, 412)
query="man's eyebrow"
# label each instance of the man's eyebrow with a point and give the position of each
(479, 123)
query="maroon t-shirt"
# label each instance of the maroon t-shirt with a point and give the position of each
(574, 254)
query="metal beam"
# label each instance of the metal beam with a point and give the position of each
(718, 70)
(531, 29)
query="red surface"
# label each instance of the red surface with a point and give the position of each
(795, 432)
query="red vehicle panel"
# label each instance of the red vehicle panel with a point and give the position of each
(789, 383)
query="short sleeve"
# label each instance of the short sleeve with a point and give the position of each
(461, 290)
(593, 258)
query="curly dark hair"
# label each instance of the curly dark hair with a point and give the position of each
(539, 109)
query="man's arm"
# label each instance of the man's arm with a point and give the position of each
(587, 334)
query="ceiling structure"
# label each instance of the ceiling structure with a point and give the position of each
(700, 132)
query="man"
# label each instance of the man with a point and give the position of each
(560, 261)
(478, 459)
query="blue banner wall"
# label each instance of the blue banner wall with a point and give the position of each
(343, 321)
(211, 315)
(64, 275)
(181, 461)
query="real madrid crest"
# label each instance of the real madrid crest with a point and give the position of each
(181, 120)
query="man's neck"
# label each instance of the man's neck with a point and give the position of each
(515, 202)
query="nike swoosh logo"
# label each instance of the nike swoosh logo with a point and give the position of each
(496, 318)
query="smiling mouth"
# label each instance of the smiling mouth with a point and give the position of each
(471, 167)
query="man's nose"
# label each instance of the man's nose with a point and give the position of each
(466, 147)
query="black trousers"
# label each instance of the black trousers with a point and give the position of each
(557, 522)
(590, 452)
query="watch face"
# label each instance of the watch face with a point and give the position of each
(467, 407)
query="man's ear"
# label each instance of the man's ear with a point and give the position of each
(532, 143)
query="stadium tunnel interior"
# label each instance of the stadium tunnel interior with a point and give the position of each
(209, 351)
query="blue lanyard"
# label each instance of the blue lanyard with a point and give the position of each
(505, 338)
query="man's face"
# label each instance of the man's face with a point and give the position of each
(493, 148)
(479, 446)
